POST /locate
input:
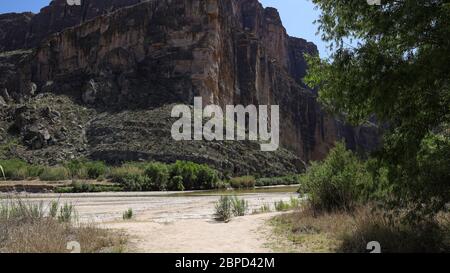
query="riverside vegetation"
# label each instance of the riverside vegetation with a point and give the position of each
(229, 206)
(28, 227)
(400, 194)
(134, 176)
(345, 209)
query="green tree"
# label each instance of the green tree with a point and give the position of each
(398, 72)
(340, 182)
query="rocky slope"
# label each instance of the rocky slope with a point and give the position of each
(128, 60)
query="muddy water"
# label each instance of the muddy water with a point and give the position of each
(160, 207)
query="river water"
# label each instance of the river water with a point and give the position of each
(162, 207)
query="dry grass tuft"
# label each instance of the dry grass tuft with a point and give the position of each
(313, 232)
(396, 235)
(26, 227)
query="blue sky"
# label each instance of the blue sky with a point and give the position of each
(297, 16)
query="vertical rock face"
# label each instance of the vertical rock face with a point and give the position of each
(158, 52)
(27, 30)
(13, 29)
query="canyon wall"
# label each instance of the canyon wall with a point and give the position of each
(116, 56)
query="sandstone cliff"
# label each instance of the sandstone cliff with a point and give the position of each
(113, 57)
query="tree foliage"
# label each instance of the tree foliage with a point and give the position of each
(340, 182)
(398, 72)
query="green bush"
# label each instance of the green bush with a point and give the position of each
(264, 208)
(95, 169)
(117, 174)
(224, 210)
(19, 211)
(34, 171)
(195, 176)
(83, 169)
(158, 174)
(338, 183)
(128, 214)
(133, 178)
(176, 184)
(282, 206)
(76, 169)
(294, 202)
(207, 178)
(54, 174)
(66, 213)
(80, 187)
(135, 182)
(53, 209)
(240, 206)
(15, 169)
(245, 182)
(155, 176)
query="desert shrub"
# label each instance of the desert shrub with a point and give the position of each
(158, 173)
(176, 184)
(207, 177)
(282, 206)
(155, 176)
(246, 182)
(83, 169)
(66, 213)
(294, 202)
(54, 174)
(276, 181)
(53, 209)
(20, 211)
(20, 174)
(134, 182)
(336, 183)
(128, 214)
(239, 206)
(117, 174)
(222, 185)
(34, 171)
(265, 208)
(133, 177)
(195, 176)
(80, 187)
(224, 209)
(76, 169)
(187, 170)
(15, 169)
(95, 169)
